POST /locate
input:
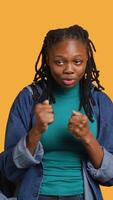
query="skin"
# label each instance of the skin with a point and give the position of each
(67, 62)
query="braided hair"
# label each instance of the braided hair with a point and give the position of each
(91, 73)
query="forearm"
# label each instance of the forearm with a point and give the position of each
(32, 139)
(22, 156)
(94, 150)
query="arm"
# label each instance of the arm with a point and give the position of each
(17, 127)
(103, 110)
(79, 127)
(94, 150)
(44, 116)
(22, 139)
(104, 174)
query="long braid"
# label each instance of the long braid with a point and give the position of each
(91, 73)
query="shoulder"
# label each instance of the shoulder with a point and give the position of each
(100, 96)
(23, 97)
(103, 105)
(26, 95)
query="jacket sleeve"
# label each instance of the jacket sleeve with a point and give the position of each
(104, 113)
(23, 158)
(18, 125)
(3, 197)
(104, 174)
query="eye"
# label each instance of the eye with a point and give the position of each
(78, 62)
(59, 62)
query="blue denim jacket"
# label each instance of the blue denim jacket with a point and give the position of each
(19, 165)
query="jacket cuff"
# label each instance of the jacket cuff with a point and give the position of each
(22, 156)
(3, 197)
(105, 172)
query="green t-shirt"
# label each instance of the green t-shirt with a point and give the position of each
(62, 168)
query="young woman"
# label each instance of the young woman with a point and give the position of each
(60, 130)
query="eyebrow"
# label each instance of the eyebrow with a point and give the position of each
(62, 56)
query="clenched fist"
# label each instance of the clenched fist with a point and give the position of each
(78, 125)
(44, 116)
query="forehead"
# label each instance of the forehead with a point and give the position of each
(68, 46)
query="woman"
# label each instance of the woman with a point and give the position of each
(65, 132)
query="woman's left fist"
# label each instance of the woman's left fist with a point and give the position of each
(79, 126)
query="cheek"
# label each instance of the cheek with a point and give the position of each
(80, 73)
(55, 71)
(55, 74)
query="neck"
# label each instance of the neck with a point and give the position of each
(58, 90)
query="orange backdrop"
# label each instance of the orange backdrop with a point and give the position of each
(23, 26)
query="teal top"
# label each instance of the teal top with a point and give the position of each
(62, 168)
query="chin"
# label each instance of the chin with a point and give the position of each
(68, 86)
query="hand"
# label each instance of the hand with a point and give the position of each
(78, 126)
(44, 116)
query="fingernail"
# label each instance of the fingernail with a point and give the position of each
(46, 102)
(74, 111)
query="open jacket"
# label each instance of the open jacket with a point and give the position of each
(20, 167)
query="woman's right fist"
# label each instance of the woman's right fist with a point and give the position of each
(44, 116)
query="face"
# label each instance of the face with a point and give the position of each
(67, 62)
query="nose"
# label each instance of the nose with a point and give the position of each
(68, 69)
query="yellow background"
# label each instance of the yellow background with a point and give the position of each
(23, 25)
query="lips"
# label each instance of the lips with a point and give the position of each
(68, 82)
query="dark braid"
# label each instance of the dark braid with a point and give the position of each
(91, 73)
